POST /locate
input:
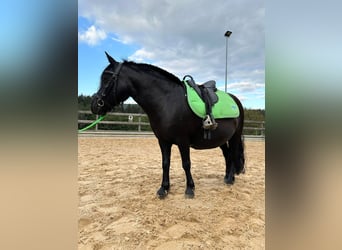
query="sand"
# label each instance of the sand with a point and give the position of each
(119, 209)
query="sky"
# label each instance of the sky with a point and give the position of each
(182, 37)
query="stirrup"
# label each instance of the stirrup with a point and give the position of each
(208, 123)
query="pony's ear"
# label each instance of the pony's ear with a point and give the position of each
(110, 59)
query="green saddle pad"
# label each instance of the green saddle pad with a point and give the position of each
(224, 108)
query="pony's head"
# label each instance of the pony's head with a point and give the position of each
(110, 93)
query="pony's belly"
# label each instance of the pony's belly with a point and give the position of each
(225, 130)
(207, 144)
(215, 141)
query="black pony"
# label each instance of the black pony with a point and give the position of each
(162, 97)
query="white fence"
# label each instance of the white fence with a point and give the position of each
(252, 129)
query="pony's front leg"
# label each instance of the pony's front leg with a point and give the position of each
(186, 163)
(166, 152)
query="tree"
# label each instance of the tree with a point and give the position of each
(84, 102)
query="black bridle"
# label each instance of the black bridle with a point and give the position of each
(111, 84)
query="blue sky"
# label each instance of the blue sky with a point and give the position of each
(182, 37)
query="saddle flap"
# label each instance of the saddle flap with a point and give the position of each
(210, 95)
(208, 91)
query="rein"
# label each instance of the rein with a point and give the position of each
(92, 124)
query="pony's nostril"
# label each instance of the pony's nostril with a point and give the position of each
(100, 103)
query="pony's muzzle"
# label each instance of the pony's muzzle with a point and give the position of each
(97, 105)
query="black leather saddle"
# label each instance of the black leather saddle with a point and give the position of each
(206, 90)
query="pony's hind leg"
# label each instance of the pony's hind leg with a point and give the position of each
(229, 178)
(235, 160)
(166, 153)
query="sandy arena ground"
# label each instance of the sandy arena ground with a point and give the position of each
(118, 207)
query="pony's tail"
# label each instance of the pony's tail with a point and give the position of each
(239, 159)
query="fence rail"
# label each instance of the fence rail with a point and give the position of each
(142, 126)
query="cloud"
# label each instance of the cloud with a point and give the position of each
(187, 37)
(246, 86)
(142, 55)
(92, 36)
(123, 40)
(242, 98)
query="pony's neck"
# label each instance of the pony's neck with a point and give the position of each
(150, 90)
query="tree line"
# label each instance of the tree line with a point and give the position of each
(84, 102)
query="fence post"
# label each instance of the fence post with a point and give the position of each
(139, 125)
(97, 117)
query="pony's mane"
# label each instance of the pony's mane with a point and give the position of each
(154, 69)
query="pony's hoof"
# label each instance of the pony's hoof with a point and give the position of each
(229, 181)
(243, 171)
(162, 193)
(189, 193)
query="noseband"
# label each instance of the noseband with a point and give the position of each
(112, 84)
